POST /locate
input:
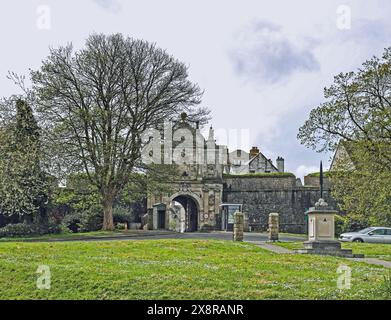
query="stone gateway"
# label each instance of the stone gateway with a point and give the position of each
(214, 182)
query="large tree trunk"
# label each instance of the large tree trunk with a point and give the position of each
(108, 223)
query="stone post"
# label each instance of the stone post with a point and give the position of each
(238, 226)
(273, 226)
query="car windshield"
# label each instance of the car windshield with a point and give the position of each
(366, 230)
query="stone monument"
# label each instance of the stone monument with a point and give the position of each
(321, 229)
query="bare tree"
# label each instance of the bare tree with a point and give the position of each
(95, 104)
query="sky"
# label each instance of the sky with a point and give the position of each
(262, 64)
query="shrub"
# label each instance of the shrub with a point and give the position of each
(340, 225)
(122, 215)
(24, 229)
(53, 228)
(349, 223)
(94, 219)
(83, 221)
(17, 230)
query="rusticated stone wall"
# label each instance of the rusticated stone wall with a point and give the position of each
(261, 196)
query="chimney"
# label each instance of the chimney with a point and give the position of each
(280, 164)
(254, 152)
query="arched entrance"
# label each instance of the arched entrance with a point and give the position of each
(191, 209)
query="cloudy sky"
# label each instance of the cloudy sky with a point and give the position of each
(263, 64)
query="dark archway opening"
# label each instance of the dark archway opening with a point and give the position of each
(161, 219)
(191, 209)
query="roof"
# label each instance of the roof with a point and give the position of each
(268, 160)
(346, 147)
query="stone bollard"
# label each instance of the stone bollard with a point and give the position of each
(238, 226)
(273, 227)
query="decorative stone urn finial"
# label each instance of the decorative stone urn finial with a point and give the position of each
(321, 203)
(184, 116)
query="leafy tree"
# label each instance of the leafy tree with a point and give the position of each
(81, 201)
(96, 103)
(154, 179)
(357, 117)
(23, 185)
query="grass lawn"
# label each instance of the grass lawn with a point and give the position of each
(177, 269)
(78, 236)
(61, 236)
(380, 251)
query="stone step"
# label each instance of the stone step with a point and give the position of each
(345, 253)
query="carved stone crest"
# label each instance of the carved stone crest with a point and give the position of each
(211, 200)
(185, 187)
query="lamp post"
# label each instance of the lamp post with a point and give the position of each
(321, 180)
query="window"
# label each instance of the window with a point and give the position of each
(231, 213)
(388, 232)
(378, 232)
(366, 230)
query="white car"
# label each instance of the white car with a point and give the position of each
(370, 235)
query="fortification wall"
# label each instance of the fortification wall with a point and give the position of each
(262, 195)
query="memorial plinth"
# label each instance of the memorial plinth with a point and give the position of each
(321, 231)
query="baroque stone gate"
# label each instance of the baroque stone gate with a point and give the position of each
(194, 204)
(211, 177)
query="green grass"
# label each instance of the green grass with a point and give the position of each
(64, 236)
(317, 174)
(177, 269)
(380, 251)
(301, 235)
(78, 236)
(260, 175)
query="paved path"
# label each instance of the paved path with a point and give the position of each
(278, 249)
(378, 262)
(148, 235)
(220, 235)
(217, 235)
